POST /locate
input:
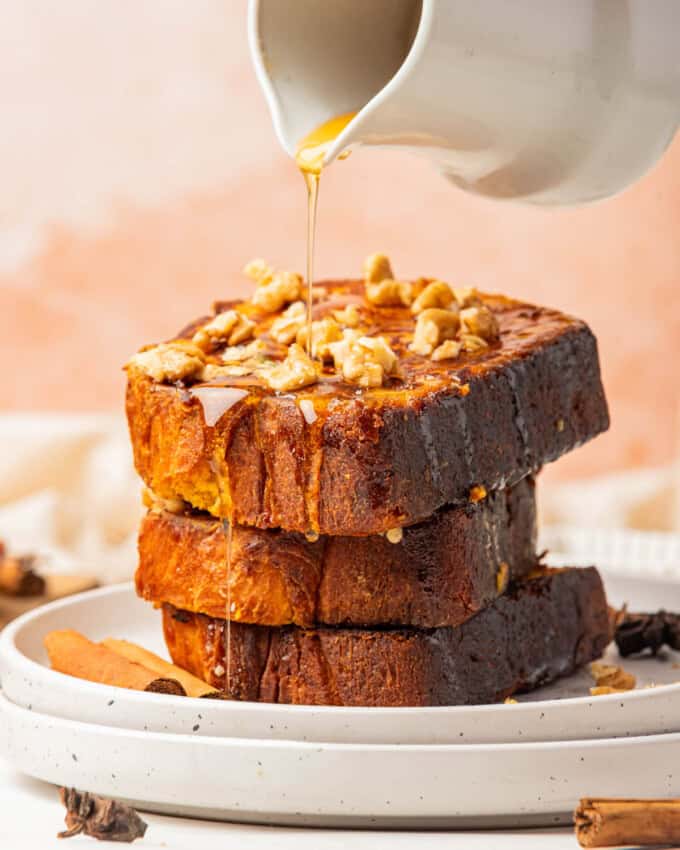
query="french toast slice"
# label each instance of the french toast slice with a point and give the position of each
(334, 458)
(544, 627)
(440, 573)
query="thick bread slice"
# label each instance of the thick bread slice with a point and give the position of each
(369, 460)
(441, 573)
(542, 628)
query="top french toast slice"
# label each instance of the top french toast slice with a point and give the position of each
(335, 458)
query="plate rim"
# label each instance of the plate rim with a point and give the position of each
(7, 705)
(10, 654)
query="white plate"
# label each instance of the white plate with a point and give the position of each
(296, 782)
(554, 713)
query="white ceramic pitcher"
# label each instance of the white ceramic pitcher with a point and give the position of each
(545, 101)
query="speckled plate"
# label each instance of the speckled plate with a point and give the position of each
(559, 712)
(326, 784)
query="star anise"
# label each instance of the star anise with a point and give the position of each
(637, 633)
(99, 817)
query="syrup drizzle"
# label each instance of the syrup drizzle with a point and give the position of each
(310, 156)
(227, 528)
(217, 400)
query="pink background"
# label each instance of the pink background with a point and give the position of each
(139, 172)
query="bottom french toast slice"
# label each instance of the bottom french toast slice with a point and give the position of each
(542, 628)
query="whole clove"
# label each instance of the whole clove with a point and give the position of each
(637, 633)
(17, 577)
(99, 817)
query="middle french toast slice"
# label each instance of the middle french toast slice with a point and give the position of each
(440, 573)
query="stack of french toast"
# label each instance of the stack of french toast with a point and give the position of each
(341, 506)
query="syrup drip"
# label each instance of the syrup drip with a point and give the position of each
(227, 527)
(310, 156)
(216, 401)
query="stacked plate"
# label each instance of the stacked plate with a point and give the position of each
(518, 764)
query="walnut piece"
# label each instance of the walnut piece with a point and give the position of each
(349, 317)
(389, 293)
(382, 289)
(241, 353)
(377, 267)
(231, 327)
(324, 332)
(363, 360)
(435, 294)
(274, 288)
(467, 297)
(448, 350)
(285, 328)
(169, 361)
(295, 372)
(433, 326)
(610, 679)
(258, 270)
(479, 321)
(211, 371)
(472, 343)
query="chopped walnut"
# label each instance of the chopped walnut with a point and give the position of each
(472, 343)
(211, 371)
(389, 293)
(241, 353)
(258, 270)
(230, 327)
(286, 327)
(435, 294)
(381, 288)
(324, 332)
(274, 288)
(363, 360)
(295, 372)
(448, 350)
(283, 288)
(349, 317)
(610, 679)
(377, 267)
(169, 361)
(467, 297)
(433, 326)
(479, 321)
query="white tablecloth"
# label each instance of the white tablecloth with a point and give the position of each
(32, 815)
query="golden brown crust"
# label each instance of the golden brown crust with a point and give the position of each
(540, 629)
(375, 459)
(440, 573)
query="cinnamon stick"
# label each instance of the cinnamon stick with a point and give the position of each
(193, 686)
(72, 653)
(603, 822)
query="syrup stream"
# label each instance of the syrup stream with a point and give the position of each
(310, 156)
(312, 181)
